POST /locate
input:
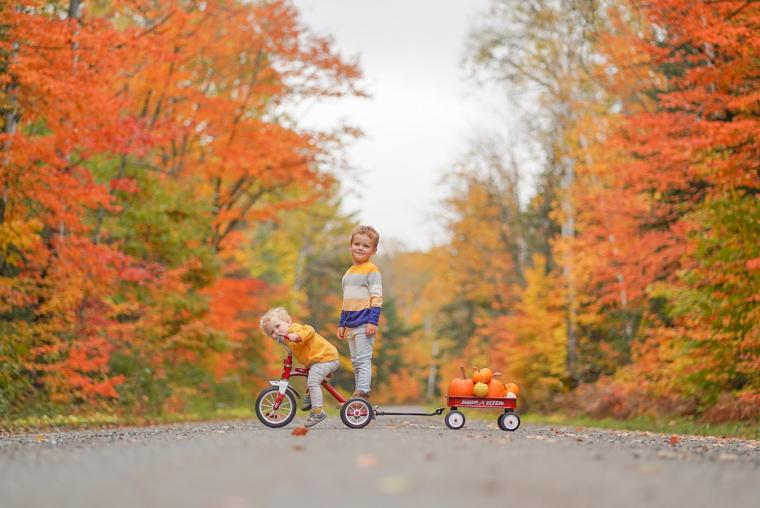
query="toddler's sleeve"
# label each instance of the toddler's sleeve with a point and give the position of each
(306, 332)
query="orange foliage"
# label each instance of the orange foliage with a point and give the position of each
(650, 183)
(405, 387)
(178, 95)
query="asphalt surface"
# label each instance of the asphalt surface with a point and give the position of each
(394, 462)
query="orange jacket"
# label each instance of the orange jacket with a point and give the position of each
(313, 348)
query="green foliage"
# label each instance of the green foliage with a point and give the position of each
(16, 386)
(160, 221)
(306, 250)
(714, 300)
(389, 359)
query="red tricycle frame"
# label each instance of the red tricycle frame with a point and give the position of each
(289, 371)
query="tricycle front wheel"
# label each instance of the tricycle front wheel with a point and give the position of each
(270, 416)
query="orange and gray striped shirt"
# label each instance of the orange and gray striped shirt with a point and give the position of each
(362, 295)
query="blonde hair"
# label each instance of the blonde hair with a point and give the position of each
(266, 319)
(369, 231)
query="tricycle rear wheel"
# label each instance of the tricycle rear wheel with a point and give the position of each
(356, 413)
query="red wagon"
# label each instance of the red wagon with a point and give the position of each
(508, 420)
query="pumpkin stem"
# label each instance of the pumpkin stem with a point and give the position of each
(461, 367)
(496, 374)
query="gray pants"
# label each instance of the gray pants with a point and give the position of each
(317, 373)
(360, 346)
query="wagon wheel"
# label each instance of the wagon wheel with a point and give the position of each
(356, 413)
(509, 421)
(454, 420)
(271, 417)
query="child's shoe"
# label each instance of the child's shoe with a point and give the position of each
(360, 394)
(306, 404)
(314, 418)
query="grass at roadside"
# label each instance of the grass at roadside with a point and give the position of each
(105, 420)
(744, 430)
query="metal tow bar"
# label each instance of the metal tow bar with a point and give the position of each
(438, 411)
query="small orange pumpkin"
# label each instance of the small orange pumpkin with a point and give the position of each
(496, 389)
(511, 387)
(482, 375)
(461, 386)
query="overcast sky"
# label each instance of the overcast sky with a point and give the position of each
(422, 112)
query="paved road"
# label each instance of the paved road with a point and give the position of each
(395, 462)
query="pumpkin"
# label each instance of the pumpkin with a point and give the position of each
(496, 389)
(480, 390)
(482, 375)
(460, 386)
(511, 387)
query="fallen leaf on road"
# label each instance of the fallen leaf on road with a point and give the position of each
(674, 440)
(365, 461)
(428, 456)
(300, 431)
(40, 438)
(298, 447)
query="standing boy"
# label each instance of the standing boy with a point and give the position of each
(362, 302)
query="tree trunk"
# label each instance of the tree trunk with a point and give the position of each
(75, 9)
(568, 232)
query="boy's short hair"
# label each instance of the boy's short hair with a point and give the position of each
(266, 319)
(369, 231)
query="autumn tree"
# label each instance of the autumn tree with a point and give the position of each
(654, 112)
(691, 160)
(140, 142)
(540, 50)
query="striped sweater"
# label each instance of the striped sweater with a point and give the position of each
(362, 295)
